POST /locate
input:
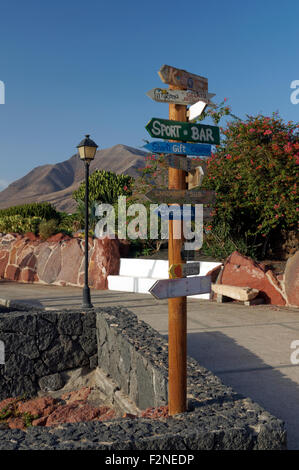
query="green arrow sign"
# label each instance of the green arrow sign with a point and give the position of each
(183, 131)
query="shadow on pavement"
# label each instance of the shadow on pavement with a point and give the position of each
(247, 374)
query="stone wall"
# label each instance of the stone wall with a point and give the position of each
(58, 261)
(134, 356)
(40, 346)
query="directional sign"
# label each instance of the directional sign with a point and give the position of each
(183, 270)
(180, 213)
(181, 196)
(195, 177)
(182, 78)
(157, 146)
(184, 131)
(184, 97)
(168, 288)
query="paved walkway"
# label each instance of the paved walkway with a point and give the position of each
(247, 347)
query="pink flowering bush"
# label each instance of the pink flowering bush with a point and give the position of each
(254, 173)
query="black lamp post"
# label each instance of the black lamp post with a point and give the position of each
(87, 150)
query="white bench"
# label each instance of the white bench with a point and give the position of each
(138, 275)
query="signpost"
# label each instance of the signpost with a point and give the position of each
(183, 270)
(171, 288)
(181, 196)
(203, 150)
(185, 97)
(183, 131)
(176, 290)
(182, 78)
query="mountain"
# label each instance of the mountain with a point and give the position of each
(56, 183)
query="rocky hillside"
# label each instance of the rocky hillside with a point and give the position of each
(56, 183)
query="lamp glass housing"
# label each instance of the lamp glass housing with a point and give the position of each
(87, 149)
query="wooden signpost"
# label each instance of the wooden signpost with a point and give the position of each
(176, 290)
(181, 196)
(185, 97)
(183, 270)
(185, 131)
(203, 150)
(179, 288)
(182, 78)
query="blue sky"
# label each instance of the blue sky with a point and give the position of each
(72, 67)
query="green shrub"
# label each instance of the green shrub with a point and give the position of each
(68, 223)
(19, 224)
(44, 210)
(254, 173)
(104, 186)
(47, 228)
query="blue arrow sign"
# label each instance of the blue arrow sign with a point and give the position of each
(177, 213)
(200, 150)
(180, 213)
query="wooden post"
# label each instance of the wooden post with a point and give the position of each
(177, 307)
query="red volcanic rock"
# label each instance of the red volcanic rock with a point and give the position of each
(60, 260)
(3, 262)
(52, 266)
(31, 236)
(6, 402)
(291, 280)
(40, 407)
(28, 275)
(40, 421)
(12, 273)
(16, 423)
(155, 413)
(71, 259)
(108, 415)
(58, 237)
(105, 259)
(129, 415)
(77, 395)
(242, 271)
(72, 413)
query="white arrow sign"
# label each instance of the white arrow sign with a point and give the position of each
(196, 109)
(168, 288)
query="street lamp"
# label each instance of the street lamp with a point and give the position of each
(87, 150)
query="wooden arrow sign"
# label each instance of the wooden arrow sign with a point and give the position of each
(182, 78)
(181, 196)
(184, 97)
(168, 288)
(157, 146)
(183, 131)
(183, 270)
